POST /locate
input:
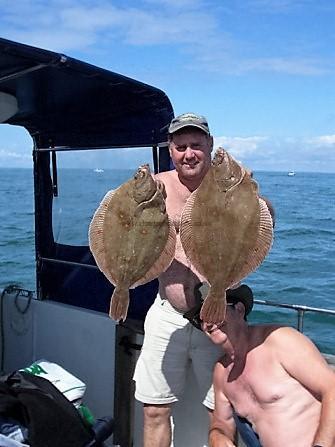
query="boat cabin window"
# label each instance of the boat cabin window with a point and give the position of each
(17, 254)
(83, 179)
(73, 184)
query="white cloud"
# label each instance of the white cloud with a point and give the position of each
(65, 41)
(95, 18)
(10, 158)
(139, 26)
(282, 154)
(322, 141)
(240, 146)
(294, 66)
(71, 25)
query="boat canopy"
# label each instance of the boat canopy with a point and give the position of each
(67, 103)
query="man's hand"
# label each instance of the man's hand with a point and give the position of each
(161, 187)
(218, 439)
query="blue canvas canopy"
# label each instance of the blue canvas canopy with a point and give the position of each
(64, 102)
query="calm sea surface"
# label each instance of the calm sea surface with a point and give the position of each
(300, 268)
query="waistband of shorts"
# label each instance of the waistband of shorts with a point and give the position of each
(159, 300)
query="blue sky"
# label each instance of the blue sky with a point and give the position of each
(261, 71)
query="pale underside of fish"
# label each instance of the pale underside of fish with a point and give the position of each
(226, 230)
(131, 237)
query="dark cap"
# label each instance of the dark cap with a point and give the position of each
(189, 120)
(242, 294)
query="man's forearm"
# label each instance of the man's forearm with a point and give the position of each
(325, 434)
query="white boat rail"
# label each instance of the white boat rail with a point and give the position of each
(299, 308)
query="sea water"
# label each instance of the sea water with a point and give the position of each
(300, 268)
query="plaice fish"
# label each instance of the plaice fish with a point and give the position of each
(131, 237)
(226, 230)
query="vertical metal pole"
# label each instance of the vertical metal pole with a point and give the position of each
(54, 174)
(301, 314)
(165, 163)
(155, 158)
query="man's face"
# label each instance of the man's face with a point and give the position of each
(219, 333)
(190, 150)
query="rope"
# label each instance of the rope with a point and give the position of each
(18, 292)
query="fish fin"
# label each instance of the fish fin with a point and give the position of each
(187, 234)
(213, 310)
(262, 246)
(119, 304)
(96, 233)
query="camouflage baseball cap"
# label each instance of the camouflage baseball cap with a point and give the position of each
(189, 120)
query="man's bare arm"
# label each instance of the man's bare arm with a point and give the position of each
(325, 434)
(305, 363)
(222, 429)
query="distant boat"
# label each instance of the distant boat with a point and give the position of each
(98, 170)
(291, 173)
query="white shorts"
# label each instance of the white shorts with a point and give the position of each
(170, 344)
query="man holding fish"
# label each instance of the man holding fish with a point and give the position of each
(170, 341)
(271, 377)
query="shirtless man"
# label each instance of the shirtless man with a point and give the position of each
(170, 341)
(275, 378)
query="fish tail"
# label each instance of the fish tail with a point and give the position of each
(213, 309)
(119, 304)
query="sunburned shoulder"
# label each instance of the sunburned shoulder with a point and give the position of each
(276, 330)
(283, 337)
(272, 333)
(292, 348)
(265, 328)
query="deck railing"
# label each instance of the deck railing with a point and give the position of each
(300, 309)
